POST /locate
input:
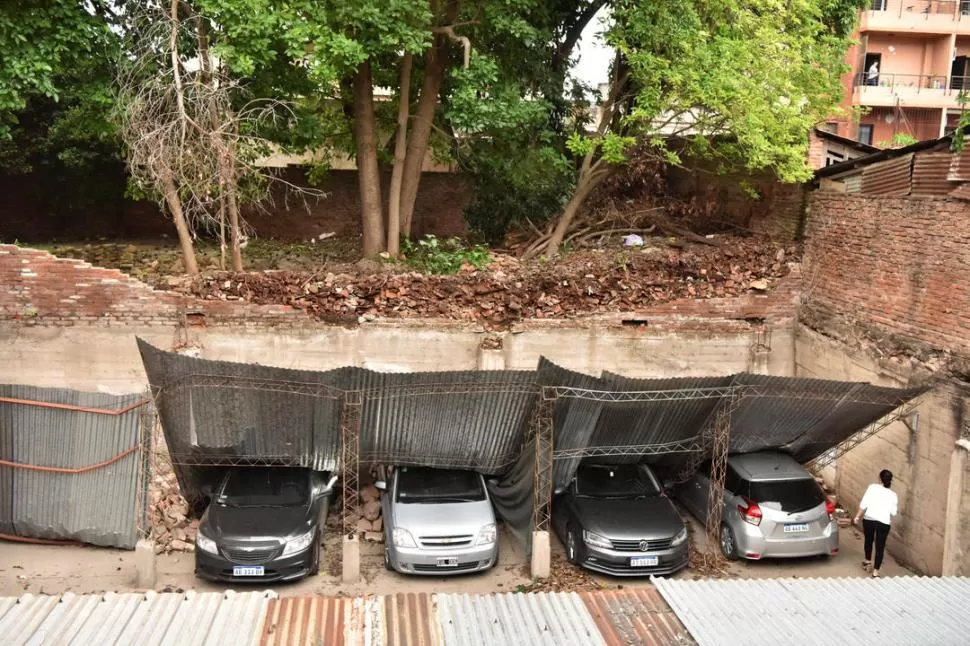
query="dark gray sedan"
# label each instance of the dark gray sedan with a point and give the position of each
(618, 520)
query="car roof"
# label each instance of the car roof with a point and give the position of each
(768, 465)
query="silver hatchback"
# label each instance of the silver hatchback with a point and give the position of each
(773, 507)
(437, 522)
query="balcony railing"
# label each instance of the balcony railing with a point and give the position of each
(915, 82)
(925, 7)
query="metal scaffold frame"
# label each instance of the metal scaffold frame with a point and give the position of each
(350, 459)
(541, 427)
(147, 417)
(908, 410)
(720, 442)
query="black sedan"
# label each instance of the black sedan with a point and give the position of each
(263, 524)
(618, 520)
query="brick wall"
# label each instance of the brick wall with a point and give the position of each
(37, 288)
(895, 269)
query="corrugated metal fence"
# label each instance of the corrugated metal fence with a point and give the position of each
(73, 465)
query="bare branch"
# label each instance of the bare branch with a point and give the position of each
(465, 42)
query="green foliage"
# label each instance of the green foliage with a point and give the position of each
(745, 80)
(433, 255)
(899, 140)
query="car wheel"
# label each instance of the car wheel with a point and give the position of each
(729, 544)
(387, 561)
(573, 547)
(316, 561)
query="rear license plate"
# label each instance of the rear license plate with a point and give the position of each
(796, 528)
(247, 570)
(447, 562)
(645, 561)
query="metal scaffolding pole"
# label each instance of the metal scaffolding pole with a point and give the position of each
(720, 442)
(350, 459)
(909, 410)
(542, 433)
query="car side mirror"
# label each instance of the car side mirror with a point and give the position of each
(668, 485)
(327, 488)
(206, 490)
(380, 484)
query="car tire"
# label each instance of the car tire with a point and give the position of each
(574, 547)
(729, 543)
(387, 561)
(315, 570)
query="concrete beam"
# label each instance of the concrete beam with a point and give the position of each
(145, 565)
(491, 359)
(541, 555)
(953, 542)
(351, 559)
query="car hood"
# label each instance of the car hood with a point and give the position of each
(254, 523)
(443, 519)
(641, 518)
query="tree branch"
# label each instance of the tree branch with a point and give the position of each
(465, 42)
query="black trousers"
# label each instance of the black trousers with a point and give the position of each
(877, 533)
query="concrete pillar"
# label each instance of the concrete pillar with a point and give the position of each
(145, 565)
(541, 555)
(953, 542)
(351, 559)
(491, 359)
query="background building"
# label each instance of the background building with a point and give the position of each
(908, 72)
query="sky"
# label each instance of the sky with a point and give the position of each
(594, 55)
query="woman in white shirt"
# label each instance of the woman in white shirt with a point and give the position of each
(879, 505)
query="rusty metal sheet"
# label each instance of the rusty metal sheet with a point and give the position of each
(410, 619)
(312, 621)
(960, 166)
(930, 173)
(962, 191)
(635, 616)
(891, 177)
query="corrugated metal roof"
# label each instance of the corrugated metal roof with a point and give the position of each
(639, 616)
(930, 170)
(314, 620)
(551, 618)
(206, 619)
(432, 419)
(54, 505)
(891, 177)
(960, 166)
(410, 619)
(889, 611)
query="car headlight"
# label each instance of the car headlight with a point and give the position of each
(679, 538)
(402, 538)
(596, 540)
(206, 544)
(487, 535)
(298, 544)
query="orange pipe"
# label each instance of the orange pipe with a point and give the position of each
(80, 409)
(71, 470)
(38, 541)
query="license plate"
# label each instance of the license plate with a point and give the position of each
(795, 528)
(247, 570)
(447, 562)
(645, 561)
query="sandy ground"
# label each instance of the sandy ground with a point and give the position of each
(42, 569)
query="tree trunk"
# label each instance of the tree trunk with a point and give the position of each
(587, 182)
(434, 72)
(368, 172)
(400, 152)
(171, 196)
(234, 231)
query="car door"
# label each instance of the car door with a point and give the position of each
(735, 490)
(387, 507)
(694, 493)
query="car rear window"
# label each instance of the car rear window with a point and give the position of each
(438, 485)
(787, 495)
(266, 487)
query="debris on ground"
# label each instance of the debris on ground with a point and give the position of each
(168, 511)
(563, 577)
(509, 290)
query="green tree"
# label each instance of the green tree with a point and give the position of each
(741, 82)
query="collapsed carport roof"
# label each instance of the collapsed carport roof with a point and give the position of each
(616, 418)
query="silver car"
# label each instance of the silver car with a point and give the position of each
(437, 522)
(773, 507)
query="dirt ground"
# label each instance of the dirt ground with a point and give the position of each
(43, 569)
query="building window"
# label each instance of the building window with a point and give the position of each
(865, 133)
(832, 157)
(878, 5)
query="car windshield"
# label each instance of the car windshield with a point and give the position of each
(790, 496)
(419, 485)
(266, 487)
(614, 482)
